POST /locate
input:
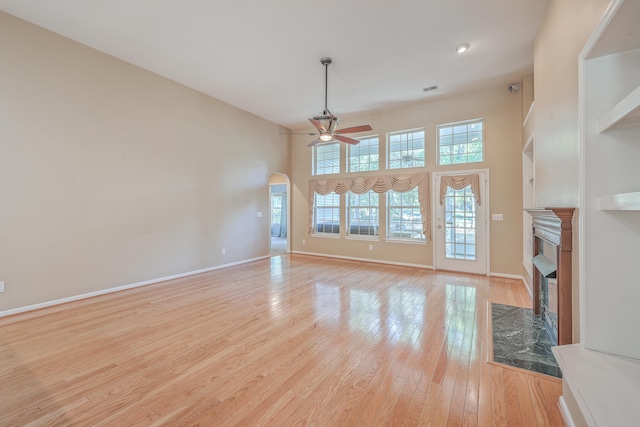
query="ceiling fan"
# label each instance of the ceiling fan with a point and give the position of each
(327, 124)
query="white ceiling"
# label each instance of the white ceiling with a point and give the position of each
(264, 56)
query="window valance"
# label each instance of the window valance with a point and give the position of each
(379, 184)
(458, 182)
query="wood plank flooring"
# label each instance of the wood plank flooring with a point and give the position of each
(293, 340)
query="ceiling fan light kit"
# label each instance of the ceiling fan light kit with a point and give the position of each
(463, 48)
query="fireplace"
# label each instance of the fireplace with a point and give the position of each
(552, 244)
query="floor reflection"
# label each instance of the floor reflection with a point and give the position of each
(327, 303)
(278, 291)
(276, 266)
(406, 312)
(460, 314)
(398, 313)
(364, 312)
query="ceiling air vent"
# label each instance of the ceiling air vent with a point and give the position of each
(430, 88)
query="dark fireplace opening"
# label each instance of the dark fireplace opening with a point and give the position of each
(549, 290)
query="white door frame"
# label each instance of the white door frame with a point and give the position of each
(485, 206)
(288, 208)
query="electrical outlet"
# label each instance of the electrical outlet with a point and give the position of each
(224, 251)
(304, 242)
(1, 286)
(259, 215)
(370, 247)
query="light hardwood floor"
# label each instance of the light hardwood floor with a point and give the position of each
(294, 340)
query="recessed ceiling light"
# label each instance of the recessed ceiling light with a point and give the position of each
(463, 48)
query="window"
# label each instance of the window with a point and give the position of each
(326, 158)
(460, 143)
(326, 214)
(406, 149)
(364, 156)
(363, 214)
(276, 208)
(404, 220)
(460, 224)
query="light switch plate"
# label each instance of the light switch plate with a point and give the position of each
(497, 217)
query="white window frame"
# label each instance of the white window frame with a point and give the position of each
(370, 206)
(468, 140)
(367, 141)
(409, 151)
(412, 220)
(334, 169)
(334, 218)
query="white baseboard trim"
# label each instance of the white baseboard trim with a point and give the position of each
(506, 276)
(375, 261)
(121, 288)
(566, 415)
(527, 269)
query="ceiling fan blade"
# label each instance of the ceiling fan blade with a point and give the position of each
(354, 129)
(346, 139)
(298, 133)
(314, 142)
(318, 125)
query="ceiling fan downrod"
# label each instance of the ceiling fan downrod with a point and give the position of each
(327, 123)
(326, 62)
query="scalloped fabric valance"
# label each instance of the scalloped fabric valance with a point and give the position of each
(458, 182)
(379, 184)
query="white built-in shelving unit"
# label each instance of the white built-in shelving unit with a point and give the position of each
(627, 111)
(610, 193)
(621, 202)
(602, 373)
(528, 181)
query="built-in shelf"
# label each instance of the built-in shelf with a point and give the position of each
(529, 113)
(605, 387)
(621, 202)
(617, 31)
(627, 111)
(528, 146)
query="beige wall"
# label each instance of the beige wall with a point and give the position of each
(562, 34)
(502, 113)
(278, 178)
(111, 175)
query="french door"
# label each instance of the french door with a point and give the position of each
(460, 232)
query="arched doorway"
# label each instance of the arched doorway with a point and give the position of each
(279, 214)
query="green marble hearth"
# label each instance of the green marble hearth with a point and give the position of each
(521, 340)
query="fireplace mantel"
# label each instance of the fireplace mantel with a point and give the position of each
(554, 226)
